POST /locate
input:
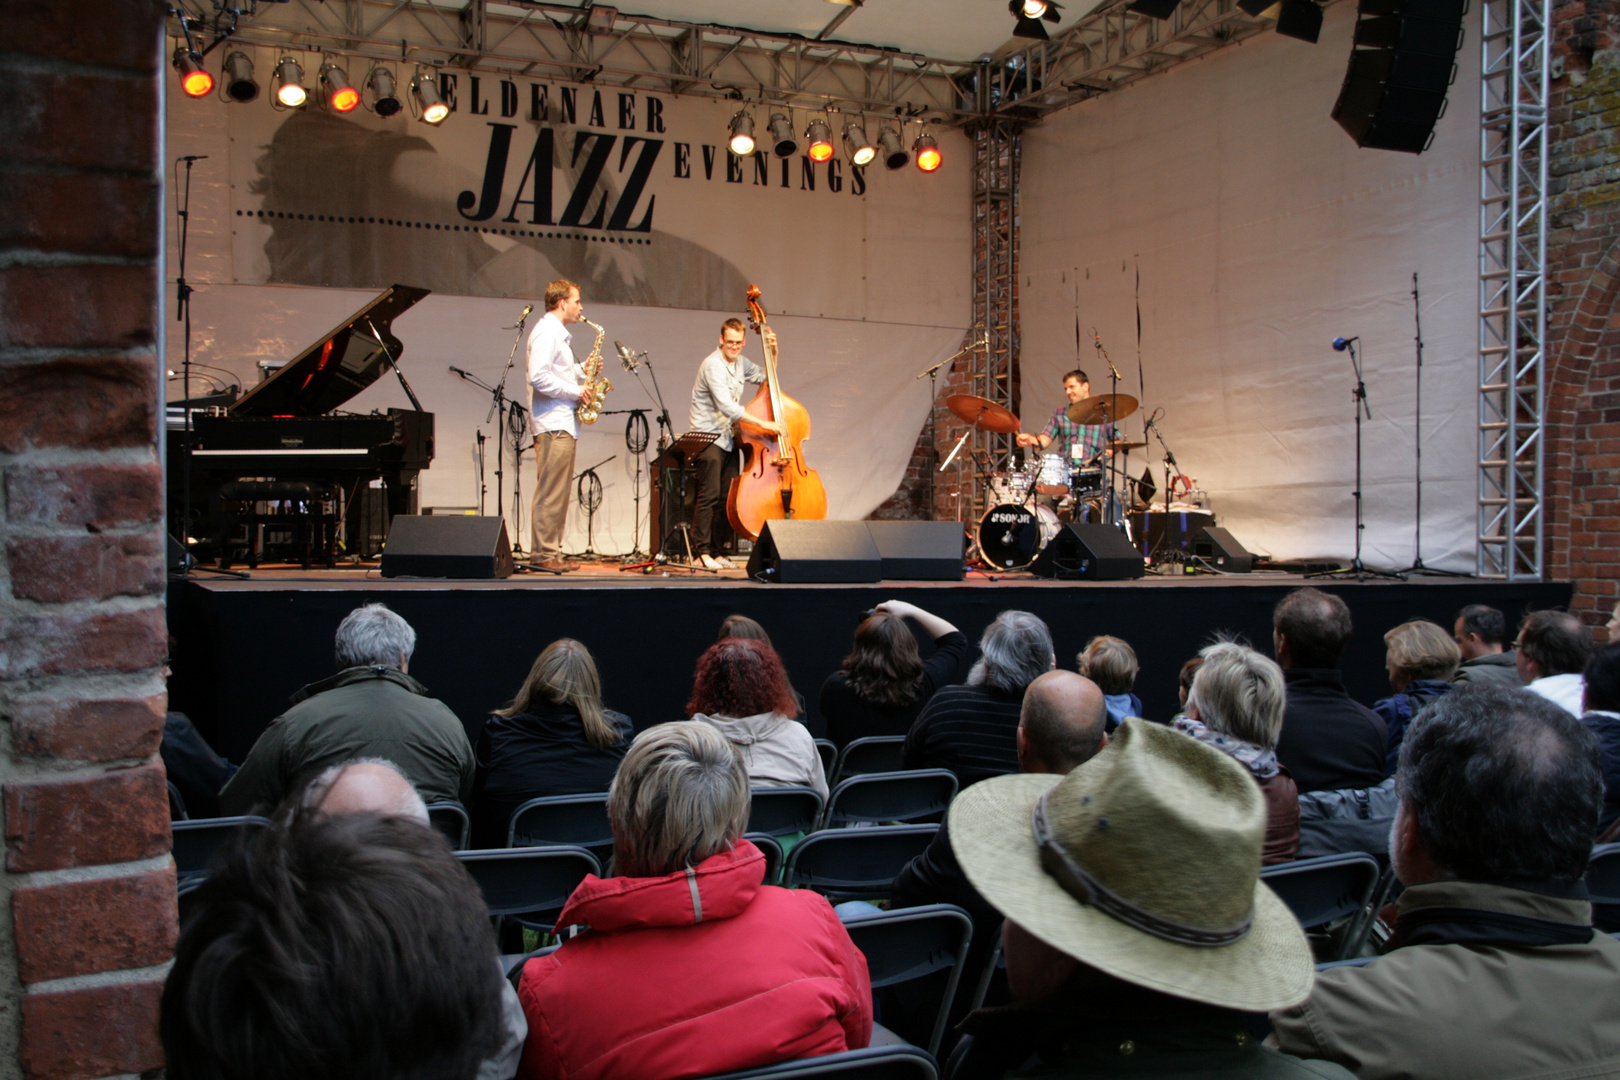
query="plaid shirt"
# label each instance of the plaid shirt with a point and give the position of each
(1065, 434)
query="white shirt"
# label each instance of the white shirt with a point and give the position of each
(1565, 691)
(717, 395)
(556, 379)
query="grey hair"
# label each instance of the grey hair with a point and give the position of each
(1239, 692)
(1015, 649)
(373, 636)
(680, 796)
(315, 792)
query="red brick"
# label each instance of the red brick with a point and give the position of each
(104, 33)
(93, 496)
(34, 645)
(97, 1031)
(118, 816)
(57, 569)
(101, 214)
(50, 116)
(77, 306)
(87, 927)
(96, 730)
(89, 403)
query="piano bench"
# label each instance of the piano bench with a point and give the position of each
(311, 511)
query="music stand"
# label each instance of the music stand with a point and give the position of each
(684, 449)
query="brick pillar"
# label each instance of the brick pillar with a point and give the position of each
(88, 888)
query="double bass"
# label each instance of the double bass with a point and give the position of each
(775, 481)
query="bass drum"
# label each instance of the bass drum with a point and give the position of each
(1011, 535)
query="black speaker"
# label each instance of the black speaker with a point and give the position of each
(796, 552)
(1222, 550)
(1403, 61)
(919, 550)
(1088, 551)
(447, 547)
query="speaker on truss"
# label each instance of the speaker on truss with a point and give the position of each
(1088, 551)
(920, 550)
(1402, 62)
(447, 546)
(792, 552)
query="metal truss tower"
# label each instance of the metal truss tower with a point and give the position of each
(1516, 50)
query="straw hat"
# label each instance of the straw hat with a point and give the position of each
(1161, 836)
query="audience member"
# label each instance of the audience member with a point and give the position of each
(1613, 625)
(884, 681)
(370, 708)
(1602, 715)
(362, 786)
(687, 964)
(1110, 662)
(1184, 683)
(193, 767)
(741, 626)
(1139, 936)
(553, 738)
(1236, 706)
(1494, 969)
(1481, 634)
(1553, 647)
(1327, 740)
(742, 690)
(972, 729)
(349, 947)
(1421, 658)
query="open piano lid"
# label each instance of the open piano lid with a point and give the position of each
(338, 366)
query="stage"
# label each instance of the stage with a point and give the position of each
(242, 647)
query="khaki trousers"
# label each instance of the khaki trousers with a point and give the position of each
(554, 461)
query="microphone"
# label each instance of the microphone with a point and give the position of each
(526, 309)
(1342, 343)
(193, 157)
(458, 371)
(626, 355)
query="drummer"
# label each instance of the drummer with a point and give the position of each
(1080, 444)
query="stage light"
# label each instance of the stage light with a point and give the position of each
(239, 82)
(820, 140)
(339, 94)
(289, 83)
(1030, 14)
(895, 155)
(385, 98)
(742, 134)
(1034, 9)
(927, 151)
(194, 78)
(857, 145)
(782, 140)
(426, 89)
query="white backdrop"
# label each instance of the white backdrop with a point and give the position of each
(1261, 233)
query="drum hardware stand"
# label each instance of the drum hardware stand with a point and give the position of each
(1417, 566)
(933, 405)
(1110, 430)
(1170, 462)
(588, 490)
(1357, 569)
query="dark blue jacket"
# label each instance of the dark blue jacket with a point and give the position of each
(1607, 727)
(1398, 711)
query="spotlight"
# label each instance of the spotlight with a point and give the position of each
(1030, 14)
(426, 89)
(386, 102)
(339, 94)
(289, 83)
(927, 151)
(238, 73)
(782, 140)
(742, 134)
(194, 78)
(857, 145)
(895, 155)
(1034, 9)
(820, 140)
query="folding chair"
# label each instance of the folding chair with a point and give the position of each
(898, 1062)
(177, 804)
(855, 864)
(913, 942)
(889, 796)
(829, 755)
(772, 851)
(1322, 890)
(451, 819)
(528, 886)
(994, 973)
(1603, 882)
(875, 753)
(196, 840)
(565, 820)
(779, 811)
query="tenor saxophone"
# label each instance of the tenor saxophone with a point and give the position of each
(594, 378)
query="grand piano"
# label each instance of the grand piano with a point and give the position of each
(288, 429)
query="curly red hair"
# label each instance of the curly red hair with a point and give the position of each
(741, 677)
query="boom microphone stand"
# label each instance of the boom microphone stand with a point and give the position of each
(1358, 397)
(1417, 566)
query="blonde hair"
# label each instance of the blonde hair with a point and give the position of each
(557, 292)
(1423, 650)
(1238, 692)
(1110, 662)
(565, 673)
(680, 796)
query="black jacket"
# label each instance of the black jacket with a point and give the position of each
(970, 730)
(849, 716)
(1328, 740)
(1606, 725)
(532, 755)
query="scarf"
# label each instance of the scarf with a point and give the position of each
(1472, 926)
(1259, 761)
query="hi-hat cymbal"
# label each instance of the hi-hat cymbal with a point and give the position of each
(983, 413)
(1102, 409)
(1124, 444)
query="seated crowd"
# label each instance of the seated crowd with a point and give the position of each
(1111, 861)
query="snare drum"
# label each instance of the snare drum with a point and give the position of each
(1088, 482)
(1053, 476)
(1012, 535)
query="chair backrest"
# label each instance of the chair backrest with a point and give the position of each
(531, 882)
(1603, 874)
(829, 755)
(875, 753)
(177, 803)
(451, 819)
(910, 943)
(772, 851)
(1321, 890)
(777, 811)
(890, 796)
(196, 840)
(567, 820)
(855, 863)
(895, 1062)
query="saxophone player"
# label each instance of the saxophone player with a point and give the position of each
(557, 386)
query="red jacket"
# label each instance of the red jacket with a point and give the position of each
(699, 972)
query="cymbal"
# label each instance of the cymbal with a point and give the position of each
(1122, 444)
(1102, 408)
(983, 413)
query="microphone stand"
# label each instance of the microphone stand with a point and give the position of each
(666, 436)
(1171, 554)
(1111, 513)
(1357, 569)
(588, 490)
(1417, 566)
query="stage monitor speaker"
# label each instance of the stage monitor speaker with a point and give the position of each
(920, 550)
(1088, 551)
(1222, 550)
(1402, 62)
(794, 552)
(447, 547)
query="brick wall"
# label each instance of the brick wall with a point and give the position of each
(87, 889)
